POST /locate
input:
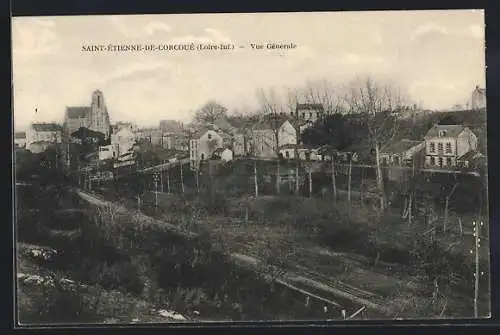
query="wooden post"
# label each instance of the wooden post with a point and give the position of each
(197, 171)
(410, 205)
(476, 279)
(460, 226)
(161, 174)
(310, 183)
(182, 179)
(334, 182)
(278, 176)
(297, 188)
(349, 181)
(255, 179)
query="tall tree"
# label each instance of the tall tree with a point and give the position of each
(375, 103)
(272, 110)
(210, 112)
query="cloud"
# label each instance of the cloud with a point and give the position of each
(427, 28)
(33, 37)
(475, 30)
(155, 26)
(217, 35)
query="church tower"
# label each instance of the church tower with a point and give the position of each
(99, 117)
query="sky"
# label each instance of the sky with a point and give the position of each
(437, 57)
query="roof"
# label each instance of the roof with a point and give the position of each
(46, 127)
(288, 146)
(41, 142)
(451, 130)
(267, 124)
(310, 106)
(77, 112)
(20, 134)
(400, 146)
(471, 155)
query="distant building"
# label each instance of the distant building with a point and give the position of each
(478, 98)
(20, 139)
(445, 144)
(223, 154)
(403, 152)
(309, 112)
(202, 145)
(264, 138)
(170, 126)
(94, 117)
(290, 151)
(471, 160)
(39, 136)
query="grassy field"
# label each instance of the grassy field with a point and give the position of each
(345, 244)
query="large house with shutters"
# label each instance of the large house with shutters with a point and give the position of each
(446, 144)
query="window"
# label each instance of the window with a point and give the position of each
(440, 159)
(448, 161)
(396, 159)
(303, 114)
(384, 161)
(98, 101)
(311, 114)
(209, 136)
(448, 148)
(433, 161)
(440, 147)
(287, 154)
(202, 156)
(432, 147)
(442, 133)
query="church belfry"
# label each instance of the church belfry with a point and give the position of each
(99, 118)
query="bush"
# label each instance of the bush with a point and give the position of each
(122, 276)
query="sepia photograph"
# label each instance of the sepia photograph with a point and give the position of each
(204, 168)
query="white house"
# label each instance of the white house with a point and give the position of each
(41, 135)
(223, 154)
(264, 138)
(202, 145)
(444, 144)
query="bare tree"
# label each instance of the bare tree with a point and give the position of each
(325, 93)
(272, 110)
(375, 103)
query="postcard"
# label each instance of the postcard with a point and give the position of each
(204, 168)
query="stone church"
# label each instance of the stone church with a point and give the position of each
(94, 117)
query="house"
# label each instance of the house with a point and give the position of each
(178, 142)
(471, 160)
(223, 154)
(444, 144)
(107, 152)
(20, 139)
(478, 98)
(39, 136)
(403, 152)
(119, 125)
(264, 144)
(170, 126)
(308, 112)
(305, 153)
(94, 117)
(202, 145)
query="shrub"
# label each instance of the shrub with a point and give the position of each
(122, 276)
